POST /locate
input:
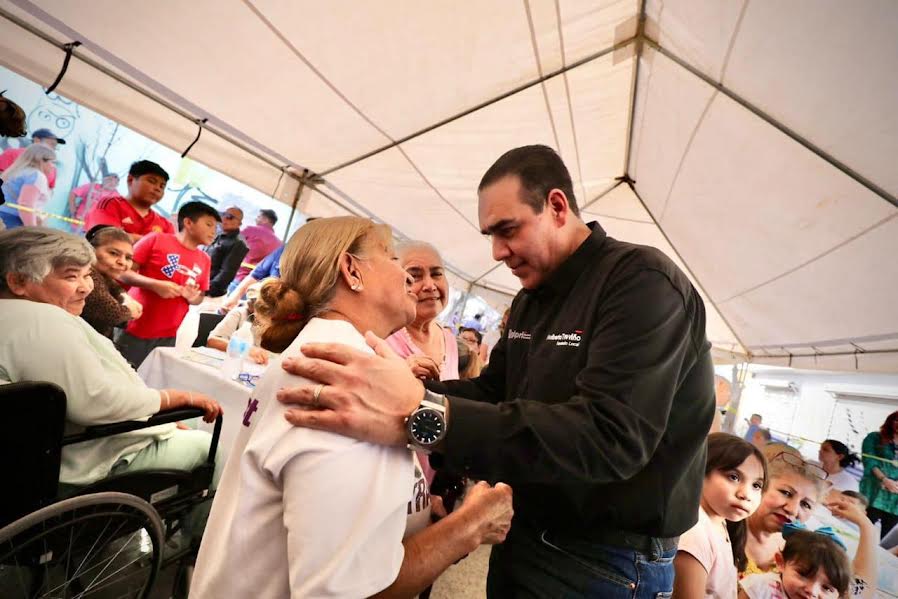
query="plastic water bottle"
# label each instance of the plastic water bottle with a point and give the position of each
(238, 348)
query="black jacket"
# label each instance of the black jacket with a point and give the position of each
(596, 402)
(226, 252)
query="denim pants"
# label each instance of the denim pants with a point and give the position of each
(533, 564)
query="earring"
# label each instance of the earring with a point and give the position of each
(356, 286)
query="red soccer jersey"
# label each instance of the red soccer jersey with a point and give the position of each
(161, 256)
(118, 212)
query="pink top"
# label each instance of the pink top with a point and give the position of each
(403, 345)
(709, 544)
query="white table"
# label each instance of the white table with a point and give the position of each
(166, 367)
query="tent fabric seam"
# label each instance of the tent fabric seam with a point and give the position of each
(810, 261)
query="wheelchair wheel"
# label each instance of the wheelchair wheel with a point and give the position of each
(99, 545)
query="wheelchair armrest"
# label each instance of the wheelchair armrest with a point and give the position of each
(168, 416)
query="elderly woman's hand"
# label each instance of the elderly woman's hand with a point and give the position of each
(489, 512)
(423, 367)
(175, 398)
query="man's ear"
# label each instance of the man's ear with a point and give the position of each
(557, 204)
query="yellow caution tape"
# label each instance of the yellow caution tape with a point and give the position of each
(44, 214)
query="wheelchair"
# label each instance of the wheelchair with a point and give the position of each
(107, 539)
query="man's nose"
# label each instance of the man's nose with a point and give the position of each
(500, 250)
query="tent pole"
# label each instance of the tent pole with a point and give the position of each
(299, 188)
(808, 145)
(634, 90)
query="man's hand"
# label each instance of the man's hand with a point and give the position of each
(366, 397)
(166, 289)
(423, 367)
(489, 510)
(890, 485)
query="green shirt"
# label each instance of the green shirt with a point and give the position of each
(870, 485)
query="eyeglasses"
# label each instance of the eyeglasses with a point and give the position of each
(248, 379)
(794, 460)
(228, 216)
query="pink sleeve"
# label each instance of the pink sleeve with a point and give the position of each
(696, 543)
(398, 345)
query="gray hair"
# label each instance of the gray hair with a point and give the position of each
(35, 251)
(403, 247)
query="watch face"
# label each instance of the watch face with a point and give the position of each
(426, 426)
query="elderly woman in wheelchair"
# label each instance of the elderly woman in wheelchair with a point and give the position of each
(44, 279)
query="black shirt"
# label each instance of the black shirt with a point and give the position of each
(596, 403)
(226, 253)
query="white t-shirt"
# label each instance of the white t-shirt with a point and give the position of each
(708, 543)
(842, 481)
(763, 586)
(304, 513)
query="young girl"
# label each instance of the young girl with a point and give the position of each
(735, 479)
(812, 564)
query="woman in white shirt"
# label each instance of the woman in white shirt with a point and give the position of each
(835, 457)
(305, 513)
(44, 280)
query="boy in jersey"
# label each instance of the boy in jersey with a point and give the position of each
(177, 259)
(134, 214)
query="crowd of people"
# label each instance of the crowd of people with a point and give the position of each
(582, 433)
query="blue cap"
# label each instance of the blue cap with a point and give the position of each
(47, 134)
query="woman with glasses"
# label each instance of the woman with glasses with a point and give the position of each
(880, 481)
(25, 184)
(795, 487)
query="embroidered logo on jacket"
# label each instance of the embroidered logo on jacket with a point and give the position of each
(513, 334)
(569, 339)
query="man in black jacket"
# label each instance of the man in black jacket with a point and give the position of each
(594, 407)
(227, 252)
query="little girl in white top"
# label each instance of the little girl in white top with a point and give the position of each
(707, 556)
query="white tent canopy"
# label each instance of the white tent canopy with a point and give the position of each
(754, 142)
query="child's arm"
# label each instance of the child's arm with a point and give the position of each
(864, 564)
(690, 577)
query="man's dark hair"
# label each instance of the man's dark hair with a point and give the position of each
(540, 170)
(146, 167)
(194, 210)
(270, 215)
(477, 333)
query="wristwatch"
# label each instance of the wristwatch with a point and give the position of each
(426, 426)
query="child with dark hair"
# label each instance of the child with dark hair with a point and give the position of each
(812, 564)
(134, 214)
(711, 552)
(177, 259)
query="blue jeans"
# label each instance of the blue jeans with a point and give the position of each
(535, 564)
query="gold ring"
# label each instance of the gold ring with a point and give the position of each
(316, 394)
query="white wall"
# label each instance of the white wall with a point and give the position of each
(812, 416)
